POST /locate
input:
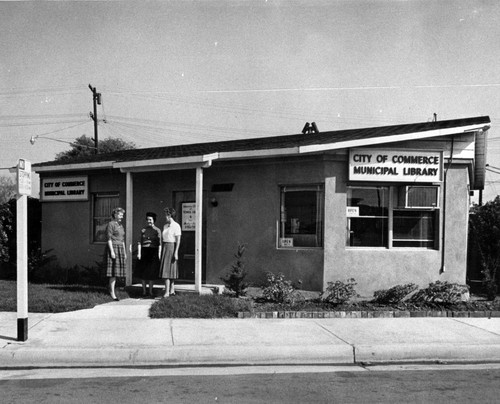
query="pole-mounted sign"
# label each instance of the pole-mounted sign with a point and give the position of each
(23, 177)
(23, 190)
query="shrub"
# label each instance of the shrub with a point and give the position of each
(339, 292)
(440, 292)
(6, 230)
(279, 289)
(395, 294)
(484, 230)
(234, 279)
(38, 260)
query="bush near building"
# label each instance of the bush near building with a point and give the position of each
(484, 241)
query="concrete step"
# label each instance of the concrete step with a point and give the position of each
(206, 289)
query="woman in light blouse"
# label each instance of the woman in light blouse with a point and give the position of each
(171, 237)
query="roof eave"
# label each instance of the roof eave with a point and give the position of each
(73, 167)
(392, 138)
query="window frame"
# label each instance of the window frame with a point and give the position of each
(393, 206)
(319, 188)
(93, 218)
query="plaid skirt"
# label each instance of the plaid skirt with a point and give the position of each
(116, 267)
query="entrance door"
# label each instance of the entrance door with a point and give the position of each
(184, 204)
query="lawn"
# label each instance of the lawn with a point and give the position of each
(43, 298)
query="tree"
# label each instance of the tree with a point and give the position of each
(7, 189)
(84, 146)
(484, 228)
(235, 277)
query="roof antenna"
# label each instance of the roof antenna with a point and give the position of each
(435, 117)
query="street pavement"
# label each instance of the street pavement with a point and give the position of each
(122, 334)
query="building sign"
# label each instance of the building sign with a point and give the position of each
(189, 216)
(23, 177)
(395, 165)
(65, 189)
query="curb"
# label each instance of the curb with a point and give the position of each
(368, 314)
(404, 353)
(180, 356)
(252, 355)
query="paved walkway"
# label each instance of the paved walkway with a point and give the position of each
(122, 334)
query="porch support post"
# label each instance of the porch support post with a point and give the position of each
(129, 219)
(199, 231)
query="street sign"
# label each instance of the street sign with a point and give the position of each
(23, 177)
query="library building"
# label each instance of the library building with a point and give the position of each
(385, 206)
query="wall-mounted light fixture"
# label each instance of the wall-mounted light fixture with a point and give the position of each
(214, 202)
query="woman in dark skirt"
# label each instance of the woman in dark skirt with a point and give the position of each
(148, 254)
(115, 250)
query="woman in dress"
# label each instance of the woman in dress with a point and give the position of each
(115, 250)
(148, 254)
(171, 237)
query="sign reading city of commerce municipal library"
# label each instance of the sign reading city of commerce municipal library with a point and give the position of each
(65, 189)
(395, 165)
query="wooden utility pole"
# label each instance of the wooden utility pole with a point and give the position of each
(97, 100)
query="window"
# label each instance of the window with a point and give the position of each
(102, 207)
(367, 227)
(301, 218)
(396, 216)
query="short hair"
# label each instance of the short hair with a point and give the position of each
(117, 210)
(169, 211)
(151, 214)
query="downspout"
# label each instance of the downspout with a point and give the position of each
(443, 239)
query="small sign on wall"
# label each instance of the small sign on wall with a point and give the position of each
(352, 211)
(65, 189)
(189, 216)
(286, 242)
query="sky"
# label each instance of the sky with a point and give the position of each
(177, 72)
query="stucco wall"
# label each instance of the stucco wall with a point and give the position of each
(249, 214)
(66, 226)
(381, 268)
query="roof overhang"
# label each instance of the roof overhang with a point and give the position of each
(179, 163)
(393, 138)
(74, 167)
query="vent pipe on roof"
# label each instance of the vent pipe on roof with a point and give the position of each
(310, 128)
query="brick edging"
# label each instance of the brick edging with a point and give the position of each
(367, 314)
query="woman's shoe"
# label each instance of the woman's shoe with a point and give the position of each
(115, 299)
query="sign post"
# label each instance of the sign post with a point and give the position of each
(23, 190)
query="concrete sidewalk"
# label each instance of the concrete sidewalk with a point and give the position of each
(122, 334)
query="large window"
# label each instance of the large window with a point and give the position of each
(301, 218)
(396, 216)
(102, 207)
